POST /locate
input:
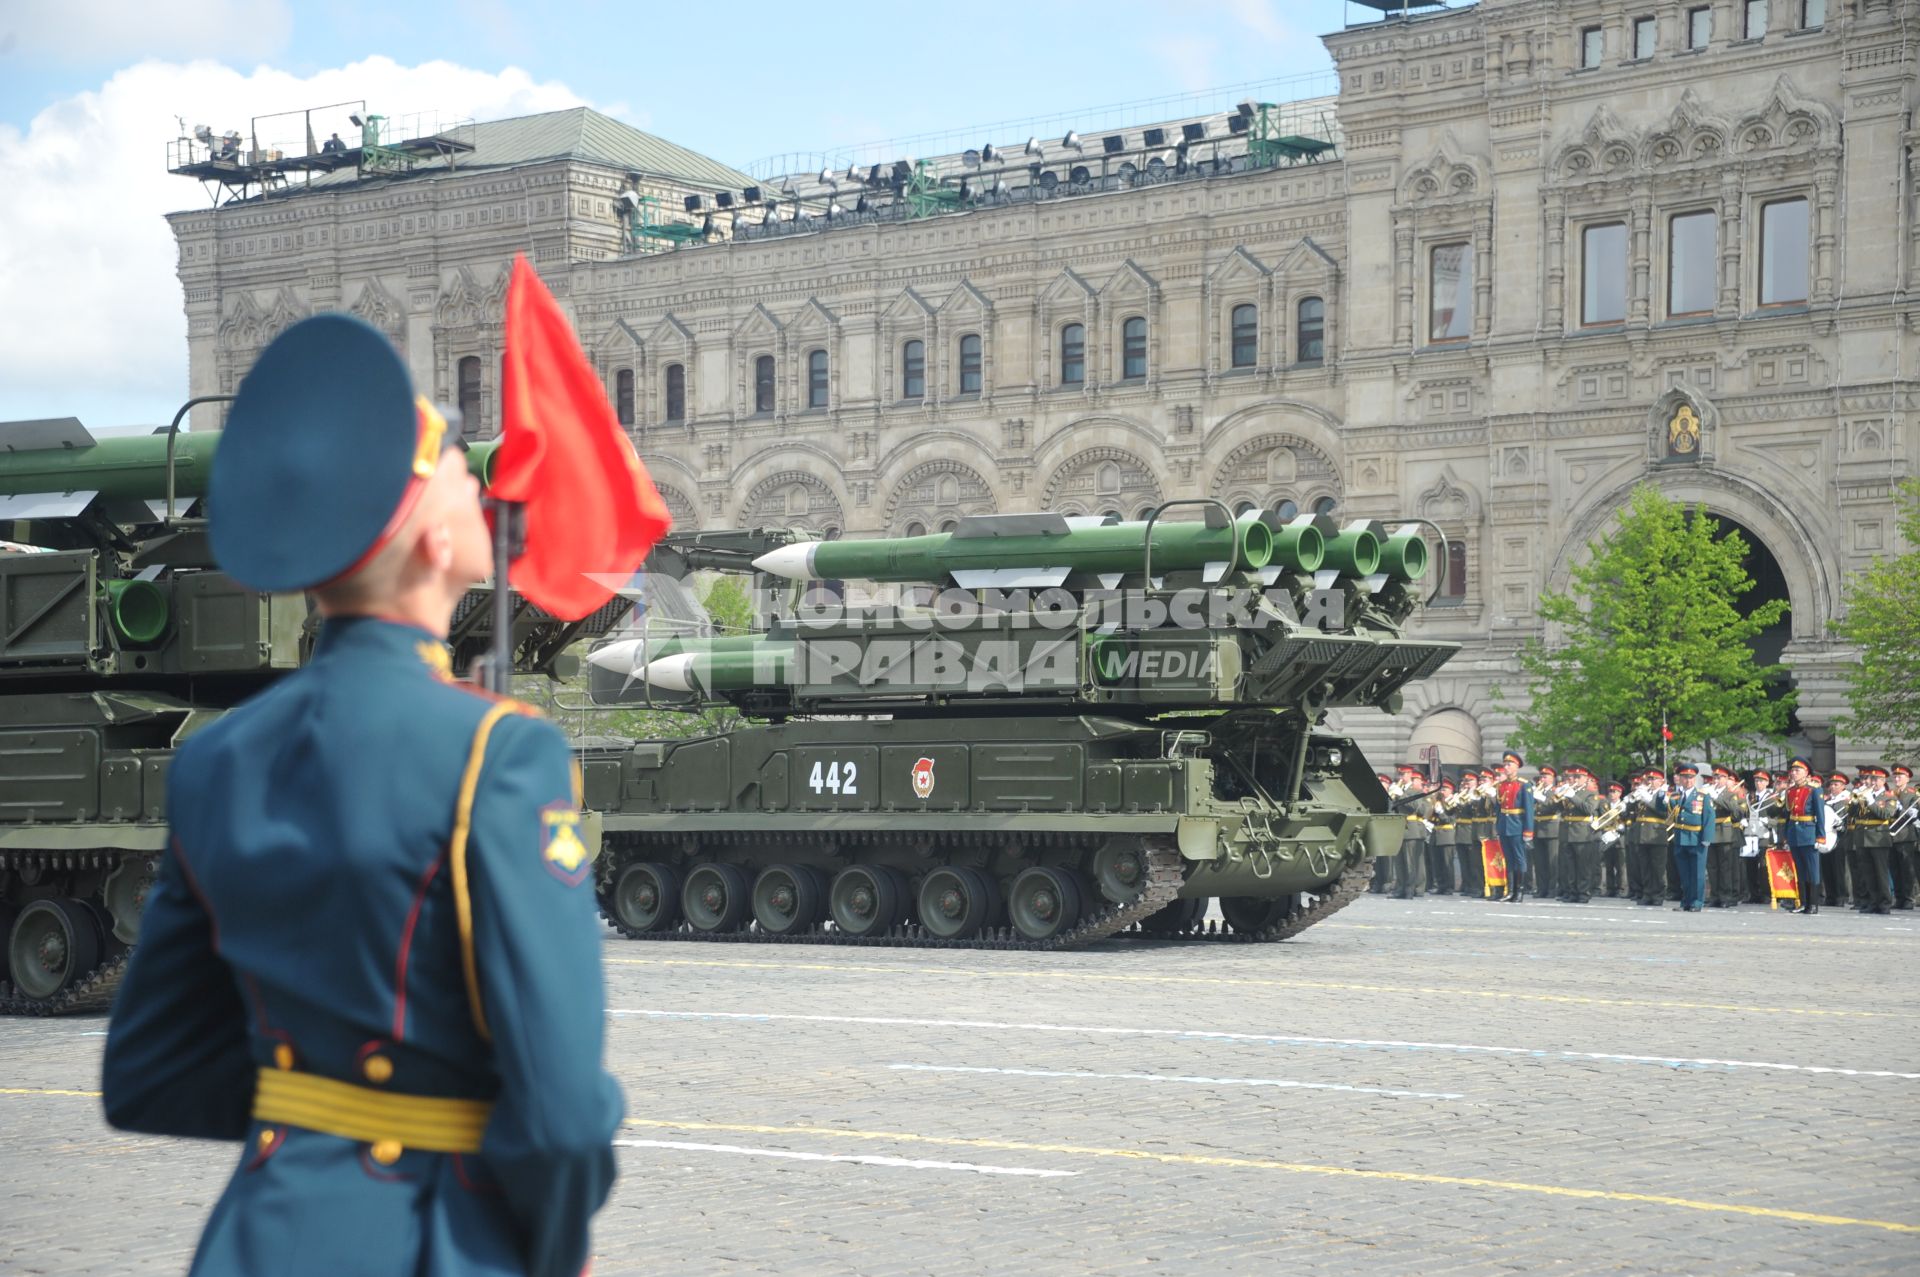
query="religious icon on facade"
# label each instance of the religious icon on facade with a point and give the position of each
(1683, 432)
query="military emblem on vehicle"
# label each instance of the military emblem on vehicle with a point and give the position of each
(923, 777)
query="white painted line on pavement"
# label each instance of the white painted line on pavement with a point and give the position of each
(1272, 1039)
(853, 1159)
(1285, 1083)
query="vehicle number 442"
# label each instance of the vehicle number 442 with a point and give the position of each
(834, 778)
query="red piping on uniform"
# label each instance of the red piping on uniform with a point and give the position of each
(406, 945)
(409, 498)
(193, 884)
(466, 1180)
(374, 1172)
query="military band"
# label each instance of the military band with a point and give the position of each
(1698, 840)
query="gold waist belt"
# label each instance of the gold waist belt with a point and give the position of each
(1869, 824)
(307, 1100)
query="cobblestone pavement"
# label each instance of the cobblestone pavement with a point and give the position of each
(1435, 1086)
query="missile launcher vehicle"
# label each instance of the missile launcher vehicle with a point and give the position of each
(1093, 728)
(119, 638)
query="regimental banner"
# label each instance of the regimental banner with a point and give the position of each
(1495, 862)
(1783, 880)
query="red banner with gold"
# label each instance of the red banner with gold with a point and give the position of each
(1783, 880)
(1495, 862)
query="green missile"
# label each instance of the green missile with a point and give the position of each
(1403, 556)
(627, 657)
(1298, 545)
(1028, 551)
(1355, 552)
(135, 466)
(710, 673)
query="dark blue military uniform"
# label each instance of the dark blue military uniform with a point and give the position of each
(1691, 811)
(1803, 824)
(1514, 827)
(372, 955)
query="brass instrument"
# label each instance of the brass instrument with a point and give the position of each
(1604, 820)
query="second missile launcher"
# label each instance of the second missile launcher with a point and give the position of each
(1092, 727)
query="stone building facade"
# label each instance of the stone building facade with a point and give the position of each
(1566, 247)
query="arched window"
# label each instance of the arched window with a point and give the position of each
(676, 392)
(763, 384)
(948, 525)
(817, 379)
(467, 382)
(1133, 349)
(1312, 330)
(623, 396)
(1073, 354)
(1246, 336)
(913, 370)
(970, 364)
(916, 529)
(1324, 505)
(1455, 587)
(1115, 515)
(1244, 507)
(1287, 509)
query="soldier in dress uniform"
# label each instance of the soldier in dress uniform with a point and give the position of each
(1516, 827)
(1836, 854)
(1466, 836)
(1613, 851)
(1906, 836)
(1873, 812)
(1486, 811)
(1410, 866)
(1579, 841)
(371, 953)
(1440, 843)
(1690, 809)
(1765, 800)
(1730, 807)
(1803, 817)
(1382, 865)
(1547, 806)
(1647, 841)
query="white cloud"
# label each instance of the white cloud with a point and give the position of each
(105, 30)
(91, 313)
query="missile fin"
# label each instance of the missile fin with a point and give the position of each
(1008, 578)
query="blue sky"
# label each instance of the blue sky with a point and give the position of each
(89, 92)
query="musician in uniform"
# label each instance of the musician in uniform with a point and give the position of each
(1730, 807)
(1440, 841)
(1873, 812)
(1410, 865)
(1579, 840)
(1803, 815)
(372, 954)
(1613, 851)
(1906, 836)
(1547, 807)
(1516, 825)
(1765, 803)
(1647, 854)
(1690, 811)
(1466, 837)
(1837, 849)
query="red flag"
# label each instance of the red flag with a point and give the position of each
(591, 511)
(1666, 733)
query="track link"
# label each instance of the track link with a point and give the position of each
(1165, 873)
(94, 992)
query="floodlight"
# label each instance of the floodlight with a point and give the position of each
(749, 195)
(1114, 143)
(873, 174)
(1033, 148)
(853, 172)
(694, 203)
(1156, 166)
(1193, 132)
(1049, 180)
(834, 210)
(988, 155)
(828, 178)
(966, 189)
(629, 200)
(1155, 138)
(1072, 141)
(1247, 110)
(1079, 174)
(862, 205)
(706, 225)
(358, 123)
(1000, 189)
(1236, 124)
(1128, 171)
(970, 158)
(723, 199)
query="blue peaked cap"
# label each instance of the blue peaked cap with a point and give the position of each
(316, 458)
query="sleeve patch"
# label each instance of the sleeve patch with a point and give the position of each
(561, 850)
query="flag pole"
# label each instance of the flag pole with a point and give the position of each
(509, 540)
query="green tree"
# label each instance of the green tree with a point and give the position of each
(1883, 619)
(1653, 633)
(731, 608)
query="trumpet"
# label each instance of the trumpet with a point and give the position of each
(1608, 818)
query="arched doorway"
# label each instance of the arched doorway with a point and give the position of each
(1769, 585)
(1454, 732)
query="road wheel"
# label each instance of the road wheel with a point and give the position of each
(789, 899)
(1044, 902)
(1175, 917)
(956, 902)
(645, 897)
(1250, 914)
(716, 898)
(1120, 872)
(867, 900)
(53, 946)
